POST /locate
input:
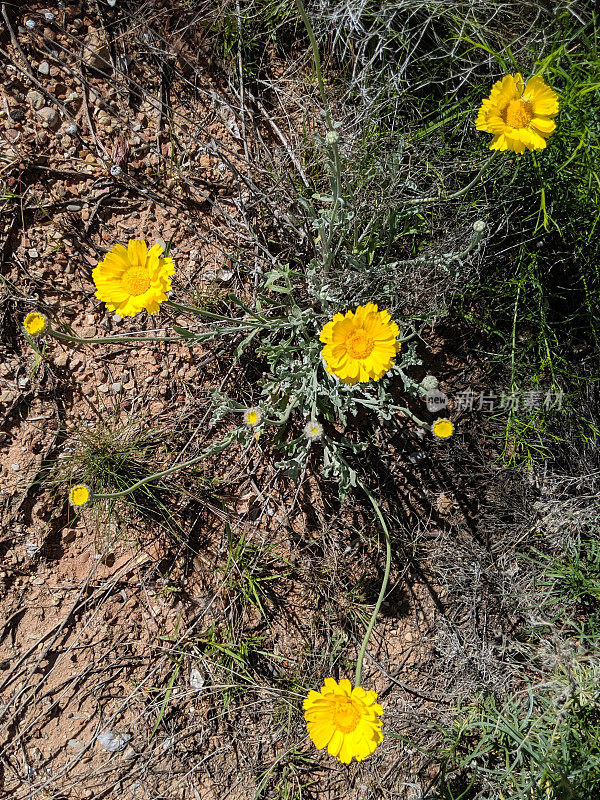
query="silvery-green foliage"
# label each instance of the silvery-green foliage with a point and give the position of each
(283, 332)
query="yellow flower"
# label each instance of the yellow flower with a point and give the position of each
(360, 345)
(343, 719)
(133, 278)
(35, 323)
(252, 416)
(80, 495)
(442, 428)
(519, 115)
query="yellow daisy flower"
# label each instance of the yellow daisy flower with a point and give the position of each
(252, 416)
(35, 323)
(518, 114)
(442, 428)
(361, 345)
(133, 278)
(343, 719)
(80, 495)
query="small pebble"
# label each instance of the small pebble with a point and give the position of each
(75, 744)
(49, 116)
(117, 318)
(103, 388)
(116, 387)
(15, 467)
(33, 253)
(35, 99)
(114, 742)
(73, 207)
(44, 68)
(197, 680)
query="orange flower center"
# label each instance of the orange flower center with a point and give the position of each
(359, 344)
(136, 281)
(518, 113)
(345, 715)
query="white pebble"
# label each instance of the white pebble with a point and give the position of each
(114, 742)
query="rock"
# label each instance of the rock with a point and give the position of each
(116, 387)
(75, 744)
(15, 467)
(35, 99)
(44, 68)
(33, 253)
(96, 52)
(31, 548)
(196, 679)
(73, 207)
(49, 116)
(129, 753)
(103, 388)
(114, 742)
(17, 114)
(61, 360)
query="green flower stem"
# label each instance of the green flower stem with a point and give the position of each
(248, 310)
(382, 591)
(221, 317)
(317, 60)
(410, 415)
(337, 174)
(184, 464)
(284, 417)
(464, 190)
(66, 337)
